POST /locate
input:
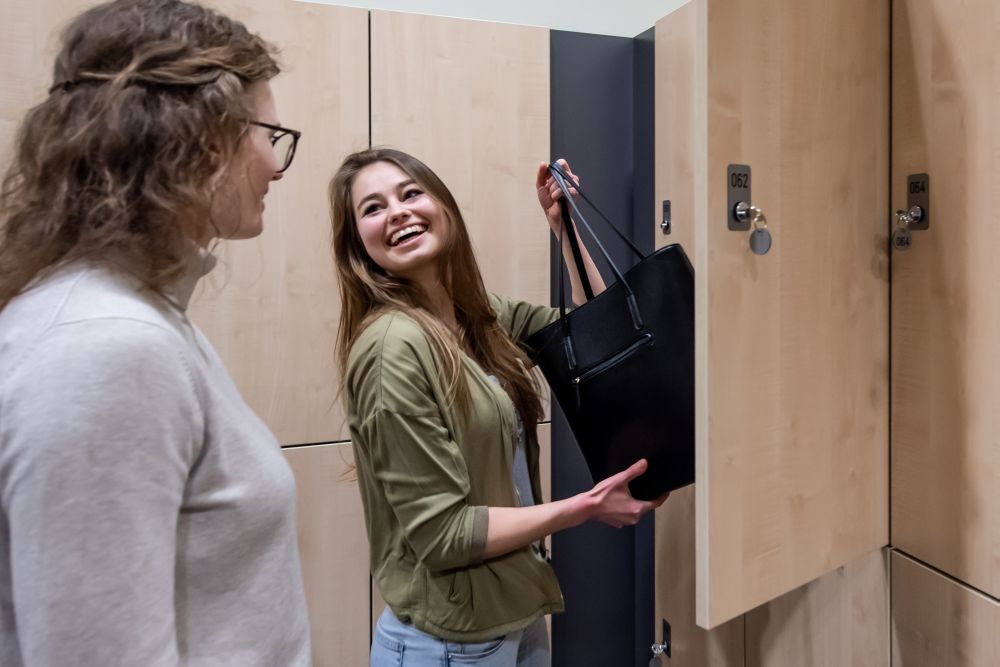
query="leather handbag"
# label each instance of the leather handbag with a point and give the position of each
(621, 366)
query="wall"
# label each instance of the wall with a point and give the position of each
(600, 17)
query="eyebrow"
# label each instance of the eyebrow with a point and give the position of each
(375, 195)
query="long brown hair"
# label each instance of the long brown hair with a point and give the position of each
(148, 106)
(366, 290)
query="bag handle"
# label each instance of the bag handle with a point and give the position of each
(555, 166)
(565, 203)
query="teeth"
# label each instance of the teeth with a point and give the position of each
(404, 231)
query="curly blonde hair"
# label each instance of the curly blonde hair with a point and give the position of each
(148, 106)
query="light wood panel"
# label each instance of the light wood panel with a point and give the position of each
(937, 621)
(471, 99)
(721, 646)
(791, 348)
(838, 620)
(678, 103)
(334, 549)
(271, 306)
(29, 40)
(945, 311)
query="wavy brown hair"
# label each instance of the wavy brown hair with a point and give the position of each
(148, 106)
(367, 291)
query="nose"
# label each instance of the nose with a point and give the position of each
(397, 211)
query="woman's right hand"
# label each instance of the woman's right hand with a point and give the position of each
(549, 193)
(612, 503)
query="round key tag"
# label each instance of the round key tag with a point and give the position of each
(760, 241)
(902, 238)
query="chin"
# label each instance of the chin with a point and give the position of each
(248, 230)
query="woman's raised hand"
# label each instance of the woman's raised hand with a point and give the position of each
(613, 504)
(549, 193)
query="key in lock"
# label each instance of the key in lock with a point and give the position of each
(902, 236)
(760, 236)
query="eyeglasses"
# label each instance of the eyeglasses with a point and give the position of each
(283, 141)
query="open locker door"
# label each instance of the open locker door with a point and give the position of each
(782, 104)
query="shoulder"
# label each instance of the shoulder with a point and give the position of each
(89, 320)
(393, 341)
(101, 351)
(391, 364)
(499, 304)
(391, 335)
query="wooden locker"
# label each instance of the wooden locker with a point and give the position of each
(945, 311)
(938, 621)
(792, 346)
(838, 620)
(333, 546)
(471, 99)
(723, 645)
(271, 306)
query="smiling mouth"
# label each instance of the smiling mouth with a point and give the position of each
(406, 233)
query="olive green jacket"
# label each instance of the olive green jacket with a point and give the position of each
(427, 478)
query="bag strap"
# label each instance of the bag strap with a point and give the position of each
(566, 203)
(574, 245)
(557, 167)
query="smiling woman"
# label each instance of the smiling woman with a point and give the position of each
(403, 228)
(442, 411)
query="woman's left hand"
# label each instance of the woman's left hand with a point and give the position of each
(549, 193)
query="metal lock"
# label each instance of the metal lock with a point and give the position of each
(744, 216)
(917, 214)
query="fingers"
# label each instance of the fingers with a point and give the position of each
(659, 501)
(542, 178)
(634, 470)
(569, 172)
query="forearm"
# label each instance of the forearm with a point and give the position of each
(596, 281)
(511, 528)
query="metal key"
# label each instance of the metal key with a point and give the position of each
(760, 237)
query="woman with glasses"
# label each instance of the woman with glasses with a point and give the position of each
(442, 413)
(148, 516)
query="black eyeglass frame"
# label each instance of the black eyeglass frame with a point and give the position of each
(274, 138)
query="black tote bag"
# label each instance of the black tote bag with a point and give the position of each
(621, 366)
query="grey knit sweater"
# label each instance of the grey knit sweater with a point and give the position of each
(148, 516)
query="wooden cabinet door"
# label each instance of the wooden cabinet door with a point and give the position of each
(334, 551)
(792, 346)
(939, 621)
(271, 305)
(945, 308)
(471, 100)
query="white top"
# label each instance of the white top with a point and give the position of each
(148, 516)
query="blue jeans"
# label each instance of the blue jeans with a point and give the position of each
(398, 644)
